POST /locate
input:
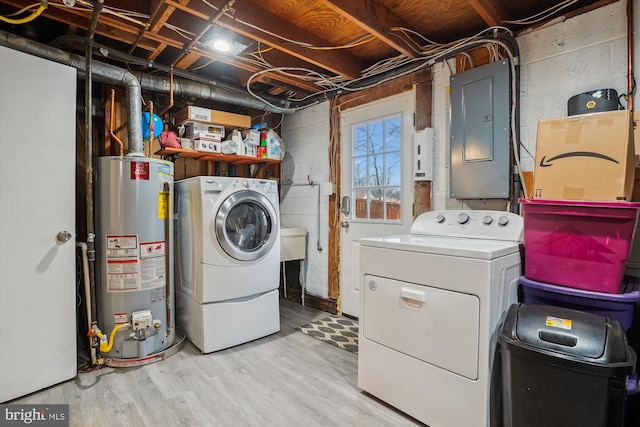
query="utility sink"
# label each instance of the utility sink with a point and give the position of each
(293, 243)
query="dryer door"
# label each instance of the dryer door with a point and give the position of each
(246, 225)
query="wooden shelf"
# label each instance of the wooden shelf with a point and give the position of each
(216, 157)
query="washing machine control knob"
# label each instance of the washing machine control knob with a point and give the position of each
(245, 183)
(463, 218)
(440, 219)
(502, 221)
(487, 220)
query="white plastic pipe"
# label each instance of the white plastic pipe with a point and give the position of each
(87, 296)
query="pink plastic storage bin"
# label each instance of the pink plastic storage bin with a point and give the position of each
(579, 244)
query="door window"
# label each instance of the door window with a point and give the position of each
(377, 170)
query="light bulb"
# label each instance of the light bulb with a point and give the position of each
(220, 45)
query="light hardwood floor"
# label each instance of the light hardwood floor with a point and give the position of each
(286, 379)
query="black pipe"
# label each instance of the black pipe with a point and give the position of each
(91, 249)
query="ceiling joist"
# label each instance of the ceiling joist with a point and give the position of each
(375, 18)
(492, 11)
(258, 24)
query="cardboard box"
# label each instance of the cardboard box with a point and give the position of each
(215, 117)
(636, 186)
(206, 135)
(208, 145)
(193, 129)
(585, 157)
(636, 136)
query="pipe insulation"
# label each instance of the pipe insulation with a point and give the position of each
(102, 72)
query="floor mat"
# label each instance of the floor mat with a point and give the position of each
(336, 330)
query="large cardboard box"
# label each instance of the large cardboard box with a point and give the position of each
(205, 115)
(636, 136)
(636, 186)
(585, 157)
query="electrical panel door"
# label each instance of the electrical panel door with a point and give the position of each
(480, 151)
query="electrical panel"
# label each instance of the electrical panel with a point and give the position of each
(480, 150)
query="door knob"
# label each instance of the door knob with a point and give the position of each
(63, 236)
(344, 224)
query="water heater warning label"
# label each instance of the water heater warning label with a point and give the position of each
(123, 263)
(140, 170)
(153, 264)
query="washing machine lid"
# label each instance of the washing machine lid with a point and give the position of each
(451, 246)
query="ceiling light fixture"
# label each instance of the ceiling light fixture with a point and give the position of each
(220, 45)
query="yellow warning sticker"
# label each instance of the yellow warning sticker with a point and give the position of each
(163, 208)
(557, 322)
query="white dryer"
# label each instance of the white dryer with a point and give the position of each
(227, 260)
(432, 301)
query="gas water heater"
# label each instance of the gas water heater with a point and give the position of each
(134, 256)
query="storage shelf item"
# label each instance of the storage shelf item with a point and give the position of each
(579, 244)
(619, 307)
(216, 157)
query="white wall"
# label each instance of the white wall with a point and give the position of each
(306, 138)
(557, 61)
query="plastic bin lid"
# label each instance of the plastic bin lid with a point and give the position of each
(567, 339)
(568, 331)
(630, 290)
(587, 203)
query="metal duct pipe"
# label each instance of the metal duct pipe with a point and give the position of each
(199, 90)
(101, 72)
(216, 90)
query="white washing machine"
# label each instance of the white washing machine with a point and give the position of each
(432, 301)
(227, 260)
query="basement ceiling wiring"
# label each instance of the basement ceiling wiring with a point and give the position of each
(541, 16)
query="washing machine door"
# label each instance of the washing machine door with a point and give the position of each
(246, 225)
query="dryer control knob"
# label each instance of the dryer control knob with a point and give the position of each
(440, 219)
(502, 221)
(245, 183)
(463, 218)
(487, 220)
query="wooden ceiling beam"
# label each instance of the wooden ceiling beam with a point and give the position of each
(127, 33)
(153, 55)
(188, 60)
(374, 17)
(492, 11)
(163, 15)
(336, 61)
(252, 68)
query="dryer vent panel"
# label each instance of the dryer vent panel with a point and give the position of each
(479, 162)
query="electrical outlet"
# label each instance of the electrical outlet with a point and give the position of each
(327, 188)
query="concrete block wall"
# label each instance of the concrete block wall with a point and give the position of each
(557, 61)
(563, 59)
(306, 139)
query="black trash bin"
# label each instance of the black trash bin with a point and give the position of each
(563, 367)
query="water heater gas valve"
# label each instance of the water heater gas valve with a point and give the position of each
(141, 320)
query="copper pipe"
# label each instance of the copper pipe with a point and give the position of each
(228, 6)
(161, 113)
(167, 255)
(630, 79)
(111, 114)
